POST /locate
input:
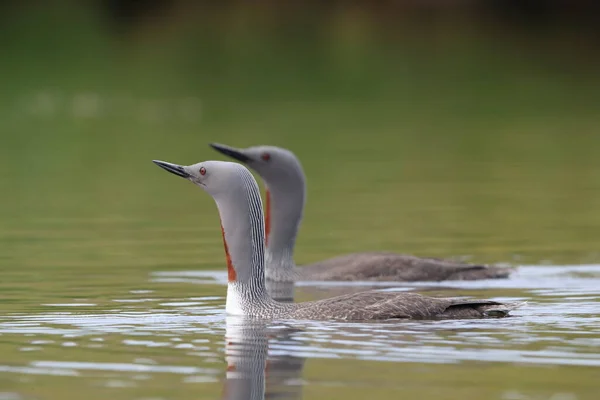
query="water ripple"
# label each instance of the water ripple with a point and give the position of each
(190, 336)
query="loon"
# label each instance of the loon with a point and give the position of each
(284, 178)
(238, 201)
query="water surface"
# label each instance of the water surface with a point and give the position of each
(475, 151)
(144, 344)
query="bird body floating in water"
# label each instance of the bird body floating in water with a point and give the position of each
(284, 178)
(237, 197)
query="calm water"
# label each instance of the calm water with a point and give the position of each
(144, 343)
(111, 279)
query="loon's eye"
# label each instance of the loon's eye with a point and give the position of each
(266, 156)
(202, 171)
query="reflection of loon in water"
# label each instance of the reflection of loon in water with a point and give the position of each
(252, 373)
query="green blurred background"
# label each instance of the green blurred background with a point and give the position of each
(438, 128)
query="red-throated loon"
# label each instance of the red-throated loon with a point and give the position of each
(284, 178)
(237, 197)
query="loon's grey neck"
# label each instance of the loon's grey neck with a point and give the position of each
(243, 238)
(284, 211)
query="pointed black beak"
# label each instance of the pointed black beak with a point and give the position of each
(231, 152)
(172, 168)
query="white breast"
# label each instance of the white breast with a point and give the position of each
(234, 304)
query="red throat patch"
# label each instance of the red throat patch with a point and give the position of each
(268, 218)
(231, 275)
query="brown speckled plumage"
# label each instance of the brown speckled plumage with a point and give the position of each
(386, 266)
(385, 305)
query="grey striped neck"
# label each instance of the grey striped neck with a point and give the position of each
(243, 232)
(285, 211)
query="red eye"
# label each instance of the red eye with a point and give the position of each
(266, 156)
(202, 171)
